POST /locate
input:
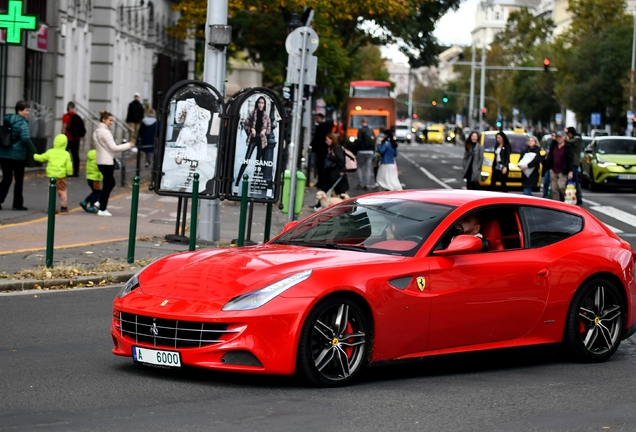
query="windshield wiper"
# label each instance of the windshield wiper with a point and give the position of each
(337, 246)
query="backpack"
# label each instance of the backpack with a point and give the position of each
(351, 165)
(369, 140)
(76, 127)
(5, 136)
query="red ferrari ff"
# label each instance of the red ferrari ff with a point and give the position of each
(387, 277)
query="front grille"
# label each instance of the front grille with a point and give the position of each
(171, 333)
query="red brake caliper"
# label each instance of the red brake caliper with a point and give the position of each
(349, 350)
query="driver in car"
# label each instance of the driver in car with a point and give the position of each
(470, 225)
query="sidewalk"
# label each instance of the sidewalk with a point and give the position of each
(85, 243)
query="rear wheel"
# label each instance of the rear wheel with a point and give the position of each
(595, 322)
(335, 343)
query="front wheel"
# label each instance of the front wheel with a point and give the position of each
(335, 343)
(595, 322)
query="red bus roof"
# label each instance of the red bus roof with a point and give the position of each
(369, 84)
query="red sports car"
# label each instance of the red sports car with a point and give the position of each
(387, 277)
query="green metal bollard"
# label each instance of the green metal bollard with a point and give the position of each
(194, 213)
(268, 222)
(243, 217)
(50, 230)
(133, 220)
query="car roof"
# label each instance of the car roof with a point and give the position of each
(611, 137)
(461, 197)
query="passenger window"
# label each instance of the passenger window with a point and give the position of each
(545, 227)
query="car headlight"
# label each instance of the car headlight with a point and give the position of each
(258, 298)
(408, 136)
(603, 164)
(132, 284)
(352, 139)
(487, 162)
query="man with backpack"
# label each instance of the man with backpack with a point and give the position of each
(74, 129)
(366, 149)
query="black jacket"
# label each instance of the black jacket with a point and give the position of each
(531, 181)
(135, 112)
(504, 155)
(568, 158)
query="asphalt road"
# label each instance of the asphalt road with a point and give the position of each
(58, 375)
(57, 372)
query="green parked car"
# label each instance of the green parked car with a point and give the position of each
(609, 161)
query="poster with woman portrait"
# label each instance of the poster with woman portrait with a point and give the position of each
(191, 132)
(256, 152)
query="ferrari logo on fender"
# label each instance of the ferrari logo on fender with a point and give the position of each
(421, 283)
(165, 302)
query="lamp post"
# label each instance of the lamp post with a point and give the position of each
(631, 88)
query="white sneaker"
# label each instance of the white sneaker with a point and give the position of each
(96, 205)
(103, 213)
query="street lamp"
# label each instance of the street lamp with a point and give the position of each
(293, 23)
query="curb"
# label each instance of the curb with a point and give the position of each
(33, 284)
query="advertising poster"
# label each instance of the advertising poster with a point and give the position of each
(257, 147)
(191, 141)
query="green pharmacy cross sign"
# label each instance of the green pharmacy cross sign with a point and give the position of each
(14, 21)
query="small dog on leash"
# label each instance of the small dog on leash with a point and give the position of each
(326, 201)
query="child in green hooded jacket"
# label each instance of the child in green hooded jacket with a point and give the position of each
(94, 178)
(58, 165)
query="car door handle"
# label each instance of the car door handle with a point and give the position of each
(542, 272)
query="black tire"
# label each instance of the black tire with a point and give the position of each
(336, 329)
(595, 322)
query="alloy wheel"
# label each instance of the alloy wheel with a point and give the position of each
(600, 320)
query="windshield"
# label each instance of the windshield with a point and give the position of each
(370, 91)
(375, 121)
(377, 225)
(518, 142)
(402, 127)
(617, 146)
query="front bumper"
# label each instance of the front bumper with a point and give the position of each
(263, 340)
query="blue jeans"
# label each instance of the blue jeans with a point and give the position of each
(364, 159)
(527, 191)
(546, 184)
(576, 178)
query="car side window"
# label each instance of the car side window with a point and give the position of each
(544, 227)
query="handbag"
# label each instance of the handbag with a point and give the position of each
(116, 163)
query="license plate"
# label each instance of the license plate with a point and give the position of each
(627, 177)
(514, 175)
(156, 357)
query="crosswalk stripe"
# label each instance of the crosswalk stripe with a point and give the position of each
(613, 212)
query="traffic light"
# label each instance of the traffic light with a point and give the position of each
(484, 110)
(414, 115)
(434, 103)
(546, 65)
(498, 123)
(445, 99)
(406, 103)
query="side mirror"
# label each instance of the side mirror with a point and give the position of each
(461, 245)
(290, 225)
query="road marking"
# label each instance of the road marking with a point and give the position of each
(427, 173)
(613, 229)
(626, 218)
(590, 202)
(65, 246)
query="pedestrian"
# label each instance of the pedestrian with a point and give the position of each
(387, 172)
(425, 134)
(473, 159)
(546, 170)
(13, 159)
(106, 149)
(318, 145)
(58, 165)
(134, 116)
(334, 167)
(94, 179)
(530, 172)
(74, 129)
(146, 136)
(364, 154)
(576, 142)
(501, 163)
(560, 163)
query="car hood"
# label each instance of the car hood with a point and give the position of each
(226, 273)
(619, 159)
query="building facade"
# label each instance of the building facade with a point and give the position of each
(492, 16)
(97, 53)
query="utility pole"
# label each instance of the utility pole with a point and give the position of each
(482, 90)
(410, 97)
(214, 74)
(471, 108)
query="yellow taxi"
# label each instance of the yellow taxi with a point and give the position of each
(518, 142)
(436, 134)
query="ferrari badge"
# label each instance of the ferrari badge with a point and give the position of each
(421, 282)
(165, 302)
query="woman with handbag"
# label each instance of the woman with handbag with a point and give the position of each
(501, 162)
(530, 176)
(334, 167)
(106, 148)
(387, 172)
(473, 159)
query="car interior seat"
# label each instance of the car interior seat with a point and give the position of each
(491, 232)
